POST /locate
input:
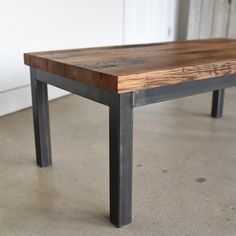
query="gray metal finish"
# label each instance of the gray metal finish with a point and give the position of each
(121, 148)
(120, 125)
(74, 86)
(148, 96)
(41, 121)
(217, 103)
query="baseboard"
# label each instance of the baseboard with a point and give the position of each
(20, 98)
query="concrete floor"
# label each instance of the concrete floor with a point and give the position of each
(184, 171)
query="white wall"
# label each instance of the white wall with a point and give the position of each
(149, 21)
(27, 26)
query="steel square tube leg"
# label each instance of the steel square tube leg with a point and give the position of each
(217, 103)
(121, 148)
(41, 121)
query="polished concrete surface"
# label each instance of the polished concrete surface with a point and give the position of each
(184, 171)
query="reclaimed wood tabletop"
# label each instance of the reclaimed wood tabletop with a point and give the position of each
(129, 68)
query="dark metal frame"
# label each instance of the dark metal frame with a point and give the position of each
(217, 103)
(120, 124)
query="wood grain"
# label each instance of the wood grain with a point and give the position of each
(135, 67)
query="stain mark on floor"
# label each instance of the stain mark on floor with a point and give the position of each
(201, 180)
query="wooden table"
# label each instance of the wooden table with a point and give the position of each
(125, 77)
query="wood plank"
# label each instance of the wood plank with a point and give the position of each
(206, 20)
(194, 19)
(232, 20)
(134, 67)
(220, 18)
(209, 19)
(175, 76)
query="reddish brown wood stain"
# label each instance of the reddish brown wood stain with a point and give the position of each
(136, 67)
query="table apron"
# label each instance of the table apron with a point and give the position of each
(148, 96)
(95, 94)
(140, 97)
